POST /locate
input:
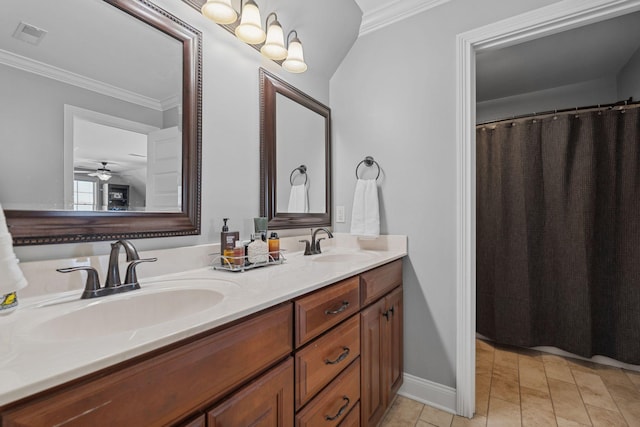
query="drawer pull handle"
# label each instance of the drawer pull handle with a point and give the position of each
(340, 358)
(342, 308)
(340, 411)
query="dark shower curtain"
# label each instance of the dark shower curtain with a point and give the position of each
(558, 232)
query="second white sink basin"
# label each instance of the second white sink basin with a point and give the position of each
(126, 312)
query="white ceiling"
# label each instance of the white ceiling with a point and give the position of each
(587, 53)
(97, 41)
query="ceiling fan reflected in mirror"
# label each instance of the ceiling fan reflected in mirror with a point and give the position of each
(103, 174)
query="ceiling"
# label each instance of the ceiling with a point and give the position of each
(586, 53)
(81, 43)
(380, 13)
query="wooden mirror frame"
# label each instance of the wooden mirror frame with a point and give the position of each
(270, 85)
(49, 227)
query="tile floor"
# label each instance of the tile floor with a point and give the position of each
(520, 387)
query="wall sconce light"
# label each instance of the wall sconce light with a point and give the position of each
(250, 29)
(274, 48)
(295, 56)
(220, 11)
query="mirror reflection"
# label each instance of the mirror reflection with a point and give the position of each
(92, 115)
(300, 142)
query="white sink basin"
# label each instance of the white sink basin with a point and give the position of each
(126, 312)
(342, 257)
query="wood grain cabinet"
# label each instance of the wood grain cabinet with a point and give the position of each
(382, 341)
(330, 358)
(168, 387)
(266, 402)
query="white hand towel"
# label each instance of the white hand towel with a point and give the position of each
(11, 277)
(298, 200)
(365, 216)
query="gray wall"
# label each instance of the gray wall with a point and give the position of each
(230, 137)
(32, 133)
(629, 78)
(393, 98)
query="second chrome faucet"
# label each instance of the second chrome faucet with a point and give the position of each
(112, 283)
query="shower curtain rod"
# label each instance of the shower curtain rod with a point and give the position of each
(625, 103)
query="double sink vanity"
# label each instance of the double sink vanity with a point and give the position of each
(314, 341)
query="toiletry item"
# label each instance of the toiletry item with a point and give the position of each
(258, 251)
(238, 254)
(274, 246)
(228, 243)
(260, 225)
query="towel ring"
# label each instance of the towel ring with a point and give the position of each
(302, 170)
(368, 162)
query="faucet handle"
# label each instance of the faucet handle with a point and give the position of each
(317, 249)
(92, 285)
(132, 277)
(307, 246)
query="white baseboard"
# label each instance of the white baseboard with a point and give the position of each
(430, 393)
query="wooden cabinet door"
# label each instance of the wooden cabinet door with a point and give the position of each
(265, 402)
(168, 387)
(393, 340)
(321, 310)
(331, 406)
(324, 358)
(372, 399)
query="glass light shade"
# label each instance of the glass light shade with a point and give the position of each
(103, 176)
(295, 58)
(220, 11)
(274, 46)
(250, 29)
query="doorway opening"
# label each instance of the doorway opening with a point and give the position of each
(539, 23)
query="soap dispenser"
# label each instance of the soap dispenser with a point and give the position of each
(228, 243)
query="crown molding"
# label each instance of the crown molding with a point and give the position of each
(68, 77)
(395, 11)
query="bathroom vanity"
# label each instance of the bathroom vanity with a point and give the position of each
(316, 341)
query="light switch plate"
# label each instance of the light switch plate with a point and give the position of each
(340, 214)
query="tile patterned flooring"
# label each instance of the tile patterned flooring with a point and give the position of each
(520, 387)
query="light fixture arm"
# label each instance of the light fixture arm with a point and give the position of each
(289, 36)
(266, 21)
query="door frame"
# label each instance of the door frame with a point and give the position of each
(557, 17)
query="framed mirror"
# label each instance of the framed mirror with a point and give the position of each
(101, 124)
(295, 156)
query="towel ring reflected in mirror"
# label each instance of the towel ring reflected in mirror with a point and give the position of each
(302, 170)
(368, 162)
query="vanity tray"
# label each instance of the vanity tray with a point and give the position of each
(229, 263)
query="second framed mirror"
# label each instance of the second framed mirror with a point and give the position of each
(295, 156)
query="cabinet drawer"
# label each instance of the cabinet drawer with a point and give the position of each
(166, 388)
(319, 362)
(267, 401)
(379, 281)
(332, 405)
(353, 417)
(321, 310)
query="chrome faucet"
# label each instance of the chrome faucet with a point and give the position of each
(313, 248)
(112, 284)
(113, 271)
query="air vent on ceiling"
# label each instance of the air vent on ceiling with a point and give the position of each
(29, 33)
